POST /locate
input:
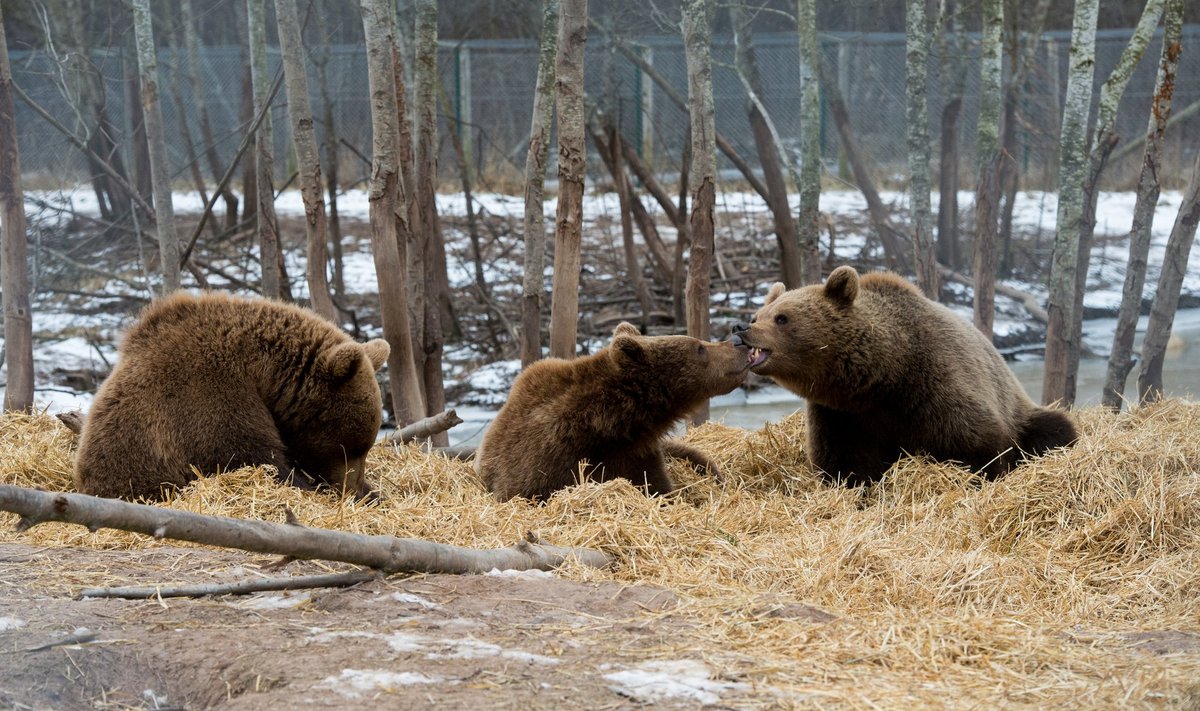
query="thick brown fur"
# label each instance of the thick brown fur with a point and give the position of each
(886, 371)
(213, 382)
(612, 409)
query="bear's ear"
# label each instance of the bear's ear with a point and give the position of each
(378, 351)
(842, 285)
(627, 329)
(341, 362)
(626, 348)
(775, 292)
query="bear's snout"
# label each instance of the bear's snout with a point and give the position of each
(740, 327)
(736, 339)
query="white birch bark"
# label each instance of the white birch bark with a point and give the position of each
(1073, 163)
(809, 219)
(535, 180)
(164, 209)
(917, 120)
(1120, 360)
(987, 145)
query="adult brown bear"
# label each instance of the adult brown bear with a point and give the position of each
(214, 382)
(886, 371)
(612, 409)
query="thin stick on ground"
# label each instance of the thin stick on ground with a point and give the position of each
(385, 553)
(242, 587)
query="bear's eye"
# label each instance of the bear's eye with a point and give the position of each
(753, 318)
(781, 319)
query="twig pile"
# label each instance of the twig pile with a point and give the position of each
(941, 590)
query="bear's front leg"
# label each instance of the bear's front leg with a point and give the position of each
(645, 469)
(844, 448)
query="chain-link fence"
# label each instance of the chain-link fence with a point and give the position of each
(489, 90)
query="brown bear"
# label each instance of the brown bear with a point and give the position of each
(613, 409)
(214, 382)
(886, 371)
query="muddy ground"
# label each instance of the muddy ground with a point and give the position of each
(525, 641)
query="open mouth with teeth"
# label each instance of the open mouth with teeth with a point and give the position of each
(756, 356)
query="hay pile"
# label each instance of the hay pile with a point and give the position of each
(1031, 591)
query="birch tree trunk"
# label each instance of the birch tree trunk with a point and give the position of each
(379, 29)
(1166, 296)
(572, 168)
(535, 178)
(917, 119)
(987, 144)
(697, 35)
(14, 279)
(1103, 141)
(164, 209)
(307, 154)
(953, 75)
(192, 43)
(768, 151)
(809, 221)
(433, 253)
(266, 224)
(1120, 360)
(1073, 159)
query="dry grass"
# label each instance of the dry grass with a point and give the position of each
(949, 592)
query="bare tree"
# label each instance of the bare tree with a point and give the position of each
(164, 210)
(572, 168)
(1120, 360)
(987, 144)
(1166, 296)
(1072, 171)
(809, 222)
(192, 42)
(1104, 138)
(274, 279)
(768, 150)
(307, 154)
(625, 197)
(14, 279)
(917, 119)
(697, 36)
(433, 254)
(953, 75)
(535, 179)
(385, 204)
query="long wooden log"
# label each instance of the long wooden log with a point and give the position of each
(385, 553)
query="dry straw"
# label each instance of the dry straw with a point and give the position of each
(942, 590)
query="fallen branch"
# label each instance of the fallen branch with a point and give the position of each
(385, 553)
(244, 587)
(426, 428)
(1029, 301)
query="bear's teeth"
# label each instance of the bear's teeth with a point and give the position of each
(753, 354)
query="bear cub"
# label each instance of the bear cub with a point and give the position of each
(214, 382)
(612, 409)
(886, 371)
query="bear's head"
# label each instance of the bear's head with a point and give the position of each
(801, 336)
(682, 370)
(345, 414)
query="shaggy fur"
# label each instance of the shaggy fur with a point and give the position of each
(887, 371)
(214, 382)
(611, 409)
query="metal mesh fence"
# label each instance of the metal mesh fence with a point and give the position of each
(489, 87)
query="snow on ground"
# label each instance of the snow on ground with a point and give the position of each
(353, 683)
(675, 680)
(74, 341)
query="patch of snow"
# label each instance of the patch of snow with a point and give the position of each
(272, 602)
(470, 648)
(153, 697)
(11, 623)
(667, 680)
(353, 683)
(510, 573)
(416, 600)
